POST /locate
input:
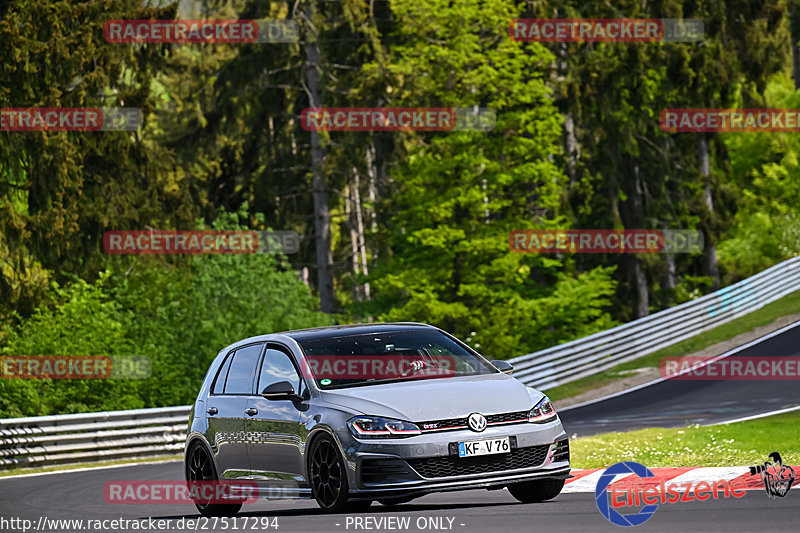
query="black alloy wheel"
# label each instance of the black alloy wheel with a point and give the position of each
(329, 478)
(200, 468)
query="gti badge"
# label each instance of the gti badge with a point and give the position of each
(476, 422)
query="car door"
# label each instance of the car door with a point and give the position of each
(226, 408)
(275, 429)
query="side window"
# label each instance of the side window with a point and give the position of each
(277, 366)
(240, 375)
(219, 382)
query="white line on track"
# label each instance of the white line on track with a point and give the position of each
(86, 469)
(659, 380)
(762, 415)
(588, 483)
(709, 473)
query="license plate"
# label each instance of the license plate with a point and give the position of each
(484, 447)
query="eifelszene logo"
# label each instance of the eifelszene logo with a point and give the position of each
(778, 478)
(601, 496)
(644, 487)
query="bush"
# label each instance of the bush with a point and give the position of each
(180, 313)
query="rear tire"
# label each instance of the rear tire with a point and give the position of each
(536, 491)
(200, 467)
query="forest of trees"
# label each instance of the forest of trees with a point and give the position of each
(395, 226)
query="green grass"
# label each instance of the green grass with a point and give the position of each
(15, 471)
(769, 313)
(740, 444)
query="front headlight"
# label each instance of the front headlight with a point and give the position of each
(542, 412)
(376, 427)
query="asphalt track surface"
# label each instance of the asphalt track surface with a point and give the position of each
(678, 403)
(79, 495)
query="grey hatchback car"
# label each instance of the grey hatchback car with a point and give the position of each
(349, 415)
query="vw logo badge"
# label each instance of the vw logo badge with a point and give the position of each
(477, 422)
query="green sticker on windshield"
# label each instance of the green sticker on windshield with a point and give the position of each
(325, 382)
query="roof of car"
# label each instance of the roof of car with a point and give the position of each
(330, 331)
(352, 329)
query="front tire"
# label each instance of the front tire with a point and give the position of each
(329, 478)
(200, 467)
(536, 491)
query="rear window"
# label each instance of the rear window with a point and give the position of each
(219, 382)
(242, 369)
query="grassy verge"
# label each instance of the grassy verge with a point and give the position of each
(740, 444)
(54, 468)
(785, 306)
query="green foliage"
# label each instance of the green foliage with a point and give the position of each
(83, 322)
(59, 189)
(178, 315)
(766, 229)
(459, 194)
(576, 145)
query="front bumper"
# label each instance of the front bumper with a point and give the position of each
(429, 462)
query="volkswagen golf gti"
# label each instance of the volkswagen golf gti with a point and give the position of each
(348, 415)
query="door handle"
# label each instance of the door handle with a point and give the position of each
(212, 411)
(252, 411)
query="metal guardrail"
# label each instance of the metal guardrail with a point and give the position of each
(593, 354)
(87, 437)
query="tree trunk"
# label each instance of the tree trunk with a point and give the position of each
(670, 279)
(634, 209)
(351, 222)
(359, 220)
(372, 185)
(794, 28)
(643, 305)
(322, 216)
(572, 149)
(711, 266)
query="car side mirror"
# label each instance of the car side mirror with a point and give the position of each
(503, 366)
(282, 390)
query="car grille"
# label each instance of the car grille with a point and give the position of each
(433, 467)
(461, 423)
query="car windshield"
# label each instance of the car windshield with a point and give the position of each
(391, 356)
